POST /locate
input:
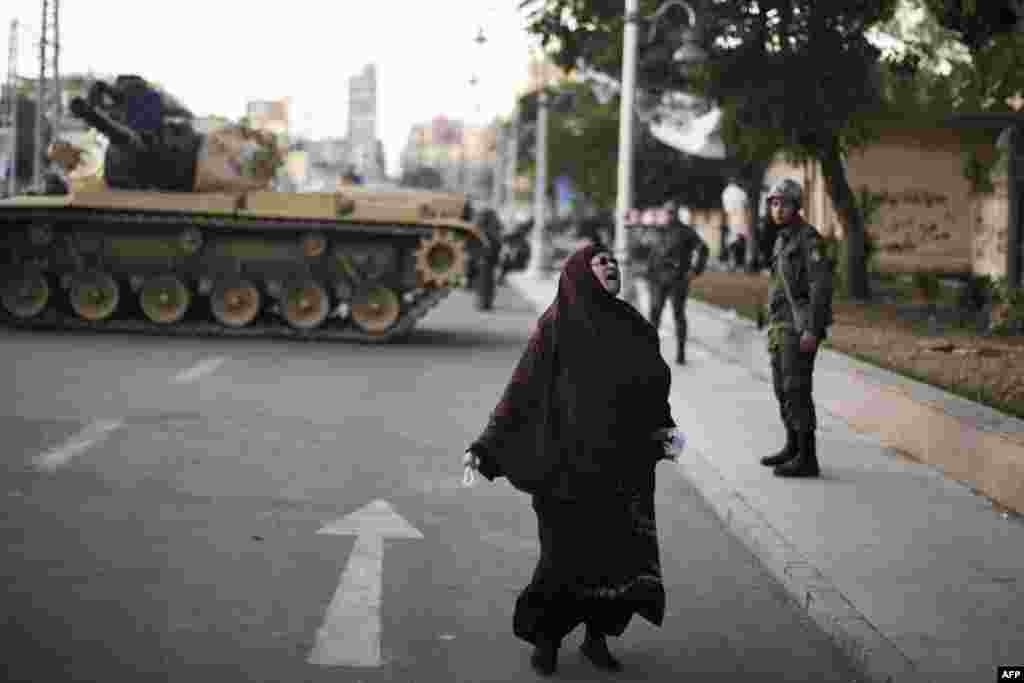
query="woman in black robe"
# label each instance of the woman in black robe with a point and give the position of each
(580, 427)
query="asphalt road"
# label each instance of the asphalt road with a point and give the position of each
(160, 502)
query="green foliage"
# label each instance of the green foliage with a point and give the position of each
(980, 82)
(927, 285)
(1010, 319)
(976, 293)
(583, 144)
(780, 70)
(870, 204)
(835, 249)
(583, 138)
(977, 24)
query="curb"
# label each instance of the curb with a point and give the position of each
(870, 652)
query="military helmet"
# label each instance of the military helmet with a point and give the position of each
(788, 190)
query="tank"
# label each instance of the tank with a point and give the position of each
(152, 248)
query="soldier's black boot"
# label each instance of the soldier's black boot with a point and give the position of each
(595, 649)
(805, 464)
(544, 659)
(788, 451)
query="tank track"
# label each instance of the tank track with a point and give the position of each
(331, 330)
(265, 326)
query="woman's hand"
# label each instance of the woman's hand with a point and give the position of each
(672, 440)
(470, 465)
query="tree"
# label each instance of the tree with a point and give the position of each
(583, 134)
(944, 56)
(993, 33)
(781, 71)
(978, 22)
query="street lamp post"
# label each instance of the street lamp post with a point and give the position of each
(538, 258)
(624, 194)
(12, 95)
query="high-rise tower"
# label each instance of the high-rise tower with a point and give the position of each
(365, 150)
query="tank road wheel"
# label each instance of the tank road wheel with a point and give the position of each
(441, 259)
(235, 304)
(26, 294)
(164, 299)
(94, 295)
(305, 304)
(375, 309)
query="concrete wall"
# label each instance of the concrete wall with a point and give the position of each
(707, 223)
(927, 217)
(989, 222)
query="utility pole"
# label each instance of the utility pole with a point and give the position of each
(497, 170)
(49, 33)
(37, 148)
(58, 95)
(513, 158)
(625, 179)
(539, 258)
(12, 103)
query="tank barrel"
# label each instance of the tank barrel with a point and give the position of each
(119, 134)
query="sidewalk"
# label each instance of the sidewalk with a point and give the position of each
(915, 576)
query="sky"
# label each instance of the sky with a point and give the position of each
(216, 55)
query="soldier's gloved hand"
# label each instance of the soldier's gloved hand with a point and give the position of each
(808, 342)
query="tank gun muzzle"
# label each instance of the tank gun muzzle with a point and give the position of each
(118, 133)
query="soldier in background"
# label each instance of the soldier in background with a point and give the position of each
(670, 268)
(487, 220)
(799, 313)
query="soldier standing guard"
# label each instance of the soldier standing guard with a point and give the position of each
(799, 313)
(487, 220)
(671, 268)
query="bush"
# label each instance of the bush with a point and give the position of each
(835, 249)
(976, 293)
(1008, 308)
(927, 284)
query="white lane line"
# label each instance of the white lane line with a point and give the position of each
(92, 434)
(198, 370)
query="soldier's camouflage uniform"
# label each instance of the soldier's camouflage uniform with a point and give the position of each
(800, 256)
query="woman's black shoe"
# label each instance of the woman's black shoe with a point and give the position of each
(544, 659)
(596, 650)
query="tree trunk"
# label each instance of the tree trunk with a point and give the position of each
(855, 267)
(753, 181)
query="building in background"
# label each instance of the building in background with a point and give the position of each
(269, 115)
(69, 128)
(365, 150)
(462, 155)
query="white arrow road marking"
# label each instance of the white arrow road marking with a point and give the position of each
(198, 370)
(350, 635)
(95, 432)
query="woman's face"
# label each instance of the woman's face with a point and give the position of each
(606, 270)
(782, 211)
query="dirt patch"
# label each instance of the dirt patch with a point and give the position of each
(984, 368)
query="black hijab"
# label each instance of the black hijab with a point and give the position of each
(587, 393)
